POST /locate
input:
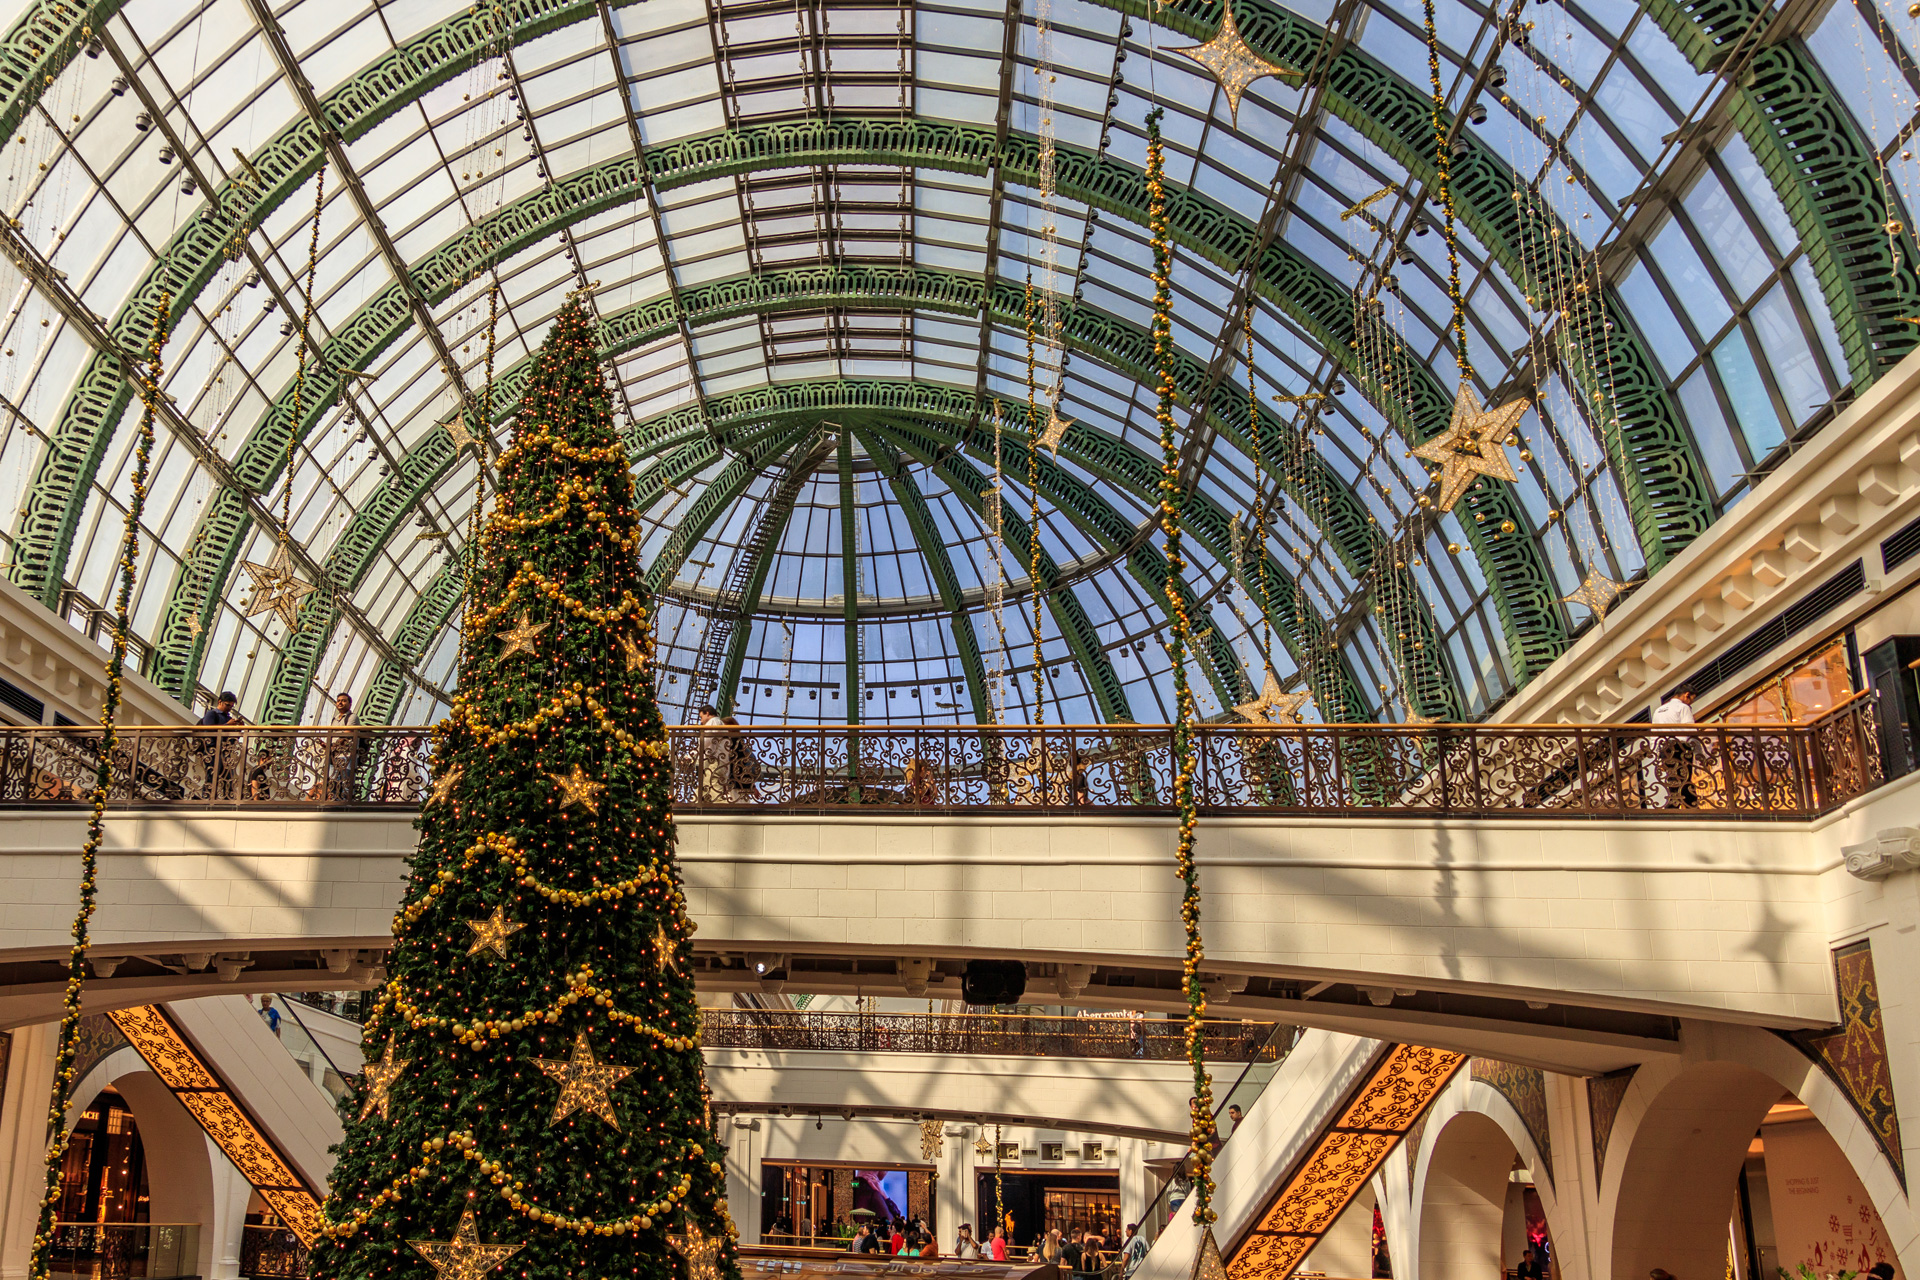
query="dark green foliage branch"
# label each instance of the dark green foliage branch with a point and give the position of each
(469, 1121)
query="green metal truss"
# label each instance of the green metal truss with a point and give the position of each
(1123, 346)
(933, 548)
(1660, 471)
(51, 510)
(850, 580)
(1823, 169)
(38, 47)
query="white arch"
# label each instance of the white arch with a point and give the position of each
(1724, 1080)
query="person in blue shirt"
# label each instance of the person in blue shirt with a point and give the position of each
(270, 1014)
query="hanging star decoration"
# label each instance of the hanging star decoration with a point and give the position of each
(1596, 591)
(578, 788)
(193, 625)
(586, 1084)
(444, 784)
(492, 933)
(1414, 720)
(636, 654)
(275, 587)
(983, 1148)
(377, 1078)
(1472, 445)
(1228, 59)
(463, 1257)
(1055, 433)
(519, 637)
(1274, 705)
(663, 949)
(701, 1251)
(1207, 1262)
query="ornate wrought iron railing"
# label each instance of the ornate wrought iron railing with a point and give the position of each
(125, 1250)
(1362, 770)
(1009, 1035)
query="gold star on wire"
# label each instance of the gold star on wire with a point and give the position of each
(1472, 445)
(1228, 59)
(1055, 433)
(663, 949)
(702, 1253)
(376, 1079)
(463, 1257)
(983, 1148)
(519, 637)
(586, 1084)
(275, 586)
(636, 653)
(193, 625)
(578, 788)
(444, 784)
(1274, 705)
(1596, 591)
(492, 933)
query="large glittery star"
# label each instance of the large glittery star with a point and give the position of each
(1231, 62)
(1207, 1262)
(1473, 445)
(444, 784)
(635, 651)
(1596, 591)
(702, 1253)
(275, 586)
(519, 637)
(664, 949)
(586, 1084)
(1274, 705)
(578, 788)
(376, 1082)
(463, 1257)
(492, 933)
(1055, 433)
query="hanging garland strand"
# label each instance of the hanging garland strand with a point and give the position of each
(1033, 538)
(481, 438)
(301, 347)
(68, 1047)
(1171, 491)
(1443, 161)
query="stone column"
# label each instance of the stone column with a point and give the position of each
(745, 1146)
(23, 1143)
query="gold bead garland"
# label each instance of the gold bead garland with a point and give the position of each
(39, 1264)
(1034, 429)
(1443, 187)
(1201, 1126)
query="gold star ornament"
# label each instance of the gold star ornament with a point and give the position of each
(664, 949)
(635, 651)
(1055, 433)
(578, 788)
(463, 1257)
(376, 1082)
(586, 1083)
(492, 933)
(701, 1251)
(1274, 705)
(1596, 591)
(1228, 59)
(519, 637)
(444, 784)
(275, 587)
(1473, 445)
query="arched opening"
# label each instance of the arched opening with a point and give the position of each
(1729, 1170)
(1478, 1210)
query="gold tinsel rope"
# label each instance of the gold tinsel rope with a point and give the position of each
(68, 1044)
(1201, 1126)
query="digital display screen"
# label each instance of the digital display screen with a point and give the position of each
(882, 1190)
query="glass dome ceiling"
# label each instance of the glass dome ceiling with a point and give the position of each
(809, 230)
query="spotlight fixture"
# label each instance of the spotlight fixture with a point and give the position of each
(95, 48)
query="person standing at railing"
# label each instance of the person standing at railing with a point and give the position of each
(343, 751)
(964, 1247)
(715, 758)
(1677, 751)
(216, 752)
(743, 767)
(999, 1244)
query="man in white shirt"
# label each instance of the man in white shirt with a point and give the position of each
(1134, 1251)
(1677, 750)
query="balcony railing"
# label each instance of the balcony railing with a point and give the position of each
(1364, 770)
(1006, 1035)
(125, 1250)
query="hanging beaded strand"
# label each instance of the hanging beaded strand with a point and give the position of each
(1201, 1126)
(300, 351)
(1033, 533)
(1443, 162)
(68, 1044)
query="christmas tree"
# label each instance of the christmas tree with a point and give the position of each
(534, 1099)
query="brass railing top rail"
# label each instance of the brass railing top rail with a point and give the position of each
(1009, 1035)
(1710, 770)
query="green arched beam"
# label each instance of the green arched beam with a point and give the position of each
(51, 512)
(934, 549)
(1434, 692)
(38, 47)
(1823, 169)
(1666, 486)
(801, 466)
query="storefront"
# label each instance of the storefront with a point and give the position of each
(824, 1202)
(1037, 1202)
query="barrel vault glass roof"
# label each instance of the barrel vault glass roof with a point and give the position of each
(1602, 109)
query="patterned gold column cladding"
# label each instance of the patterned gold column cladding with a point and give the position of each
(1324, 1182)
(1853, 1054)
(211, 1103)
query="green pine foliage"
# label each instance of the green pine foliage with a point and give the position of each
(461, 1117)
